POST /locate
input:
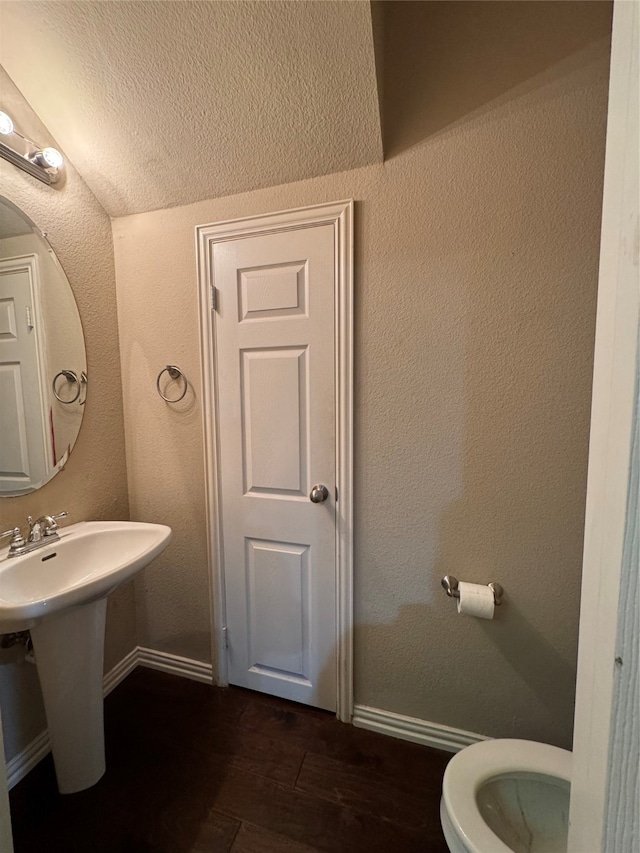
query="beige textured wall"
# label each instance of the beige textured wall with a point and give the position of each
(93, 484)
(476, 274)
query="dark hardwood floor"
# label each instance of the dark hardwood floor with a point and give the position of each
(193, 768)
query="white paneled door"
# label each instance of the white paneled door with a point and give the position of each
(25, 422)
(275, 354)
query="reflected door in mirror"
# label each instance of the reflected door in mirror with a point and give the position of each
(26, 445)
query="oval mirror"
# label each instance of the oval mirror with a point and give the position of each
(43, 365)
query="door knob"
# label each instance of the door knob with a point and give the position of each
(318, 494)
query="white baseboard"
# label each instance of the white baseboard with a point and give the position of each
(120, 671)
(435, 735)
(27, 759)
(412, 729)
(175, 665)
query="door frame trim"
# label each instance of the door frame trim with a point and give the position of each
(601, 743)
(340, 216)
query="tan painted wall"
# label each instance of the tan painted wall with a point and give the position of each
(93, 484)
(476, 271)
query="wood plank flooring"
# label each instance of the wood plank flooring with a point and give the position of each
(198, 769)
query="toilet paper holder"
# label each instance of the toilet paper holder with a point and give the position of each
(450, 585)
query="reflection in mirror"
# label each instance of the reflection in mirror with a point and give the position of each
(43, 366)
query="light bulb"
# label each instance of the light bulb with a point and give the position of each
(48, 158)
(6, 125)
(52, 157)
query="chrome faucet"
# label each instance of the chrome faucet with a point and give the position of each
(42, 531)
(44, 527)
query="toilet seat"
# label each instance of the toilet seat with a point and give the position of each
(473, 766)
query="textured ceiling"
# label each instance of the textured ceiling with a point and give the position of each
(164, 103)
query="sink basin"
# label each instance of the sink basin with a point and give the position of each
(59, 592)
(88, 562)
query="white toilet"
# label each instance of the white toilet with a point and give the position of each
(507, 796)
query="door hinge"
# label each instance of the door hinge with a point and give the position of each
(214, 299)
(29, 318)
(225, 638)
(336, 494)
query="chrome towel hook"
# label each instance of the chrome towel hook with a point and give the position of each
(175, 373)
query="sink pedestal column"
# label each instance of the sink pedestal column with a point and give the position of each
(69, 652)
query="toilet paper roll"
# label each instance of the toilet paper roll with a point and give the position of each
(476, 600)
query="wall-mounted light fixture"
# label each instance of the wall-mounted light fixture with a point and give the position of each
(42, 163)
(6, 125)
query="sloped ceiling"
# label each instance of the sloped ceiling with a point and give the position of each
(165, 103)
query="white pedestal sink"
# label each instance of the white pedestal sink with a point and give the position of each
(59, 592)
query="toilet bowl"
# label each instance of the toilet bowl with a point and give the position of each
(507, 796)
